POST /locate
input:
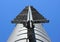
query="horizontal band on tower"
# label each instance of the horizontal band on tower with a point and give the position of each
(35, 34)
(27, 39)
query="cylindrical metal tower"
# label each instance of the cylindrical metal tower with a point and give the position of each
(29, 31)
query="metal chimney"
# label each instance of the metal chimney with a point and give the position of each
(29, 27)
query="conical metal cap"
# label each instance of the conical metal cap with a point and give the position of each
(22, 17)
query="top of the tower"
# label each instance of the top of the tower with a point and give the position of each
(32, 13)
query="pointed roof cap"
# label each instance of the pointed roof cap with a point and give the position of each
(37, 17)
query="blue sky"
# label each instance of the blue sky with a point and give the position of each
(50, 9)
